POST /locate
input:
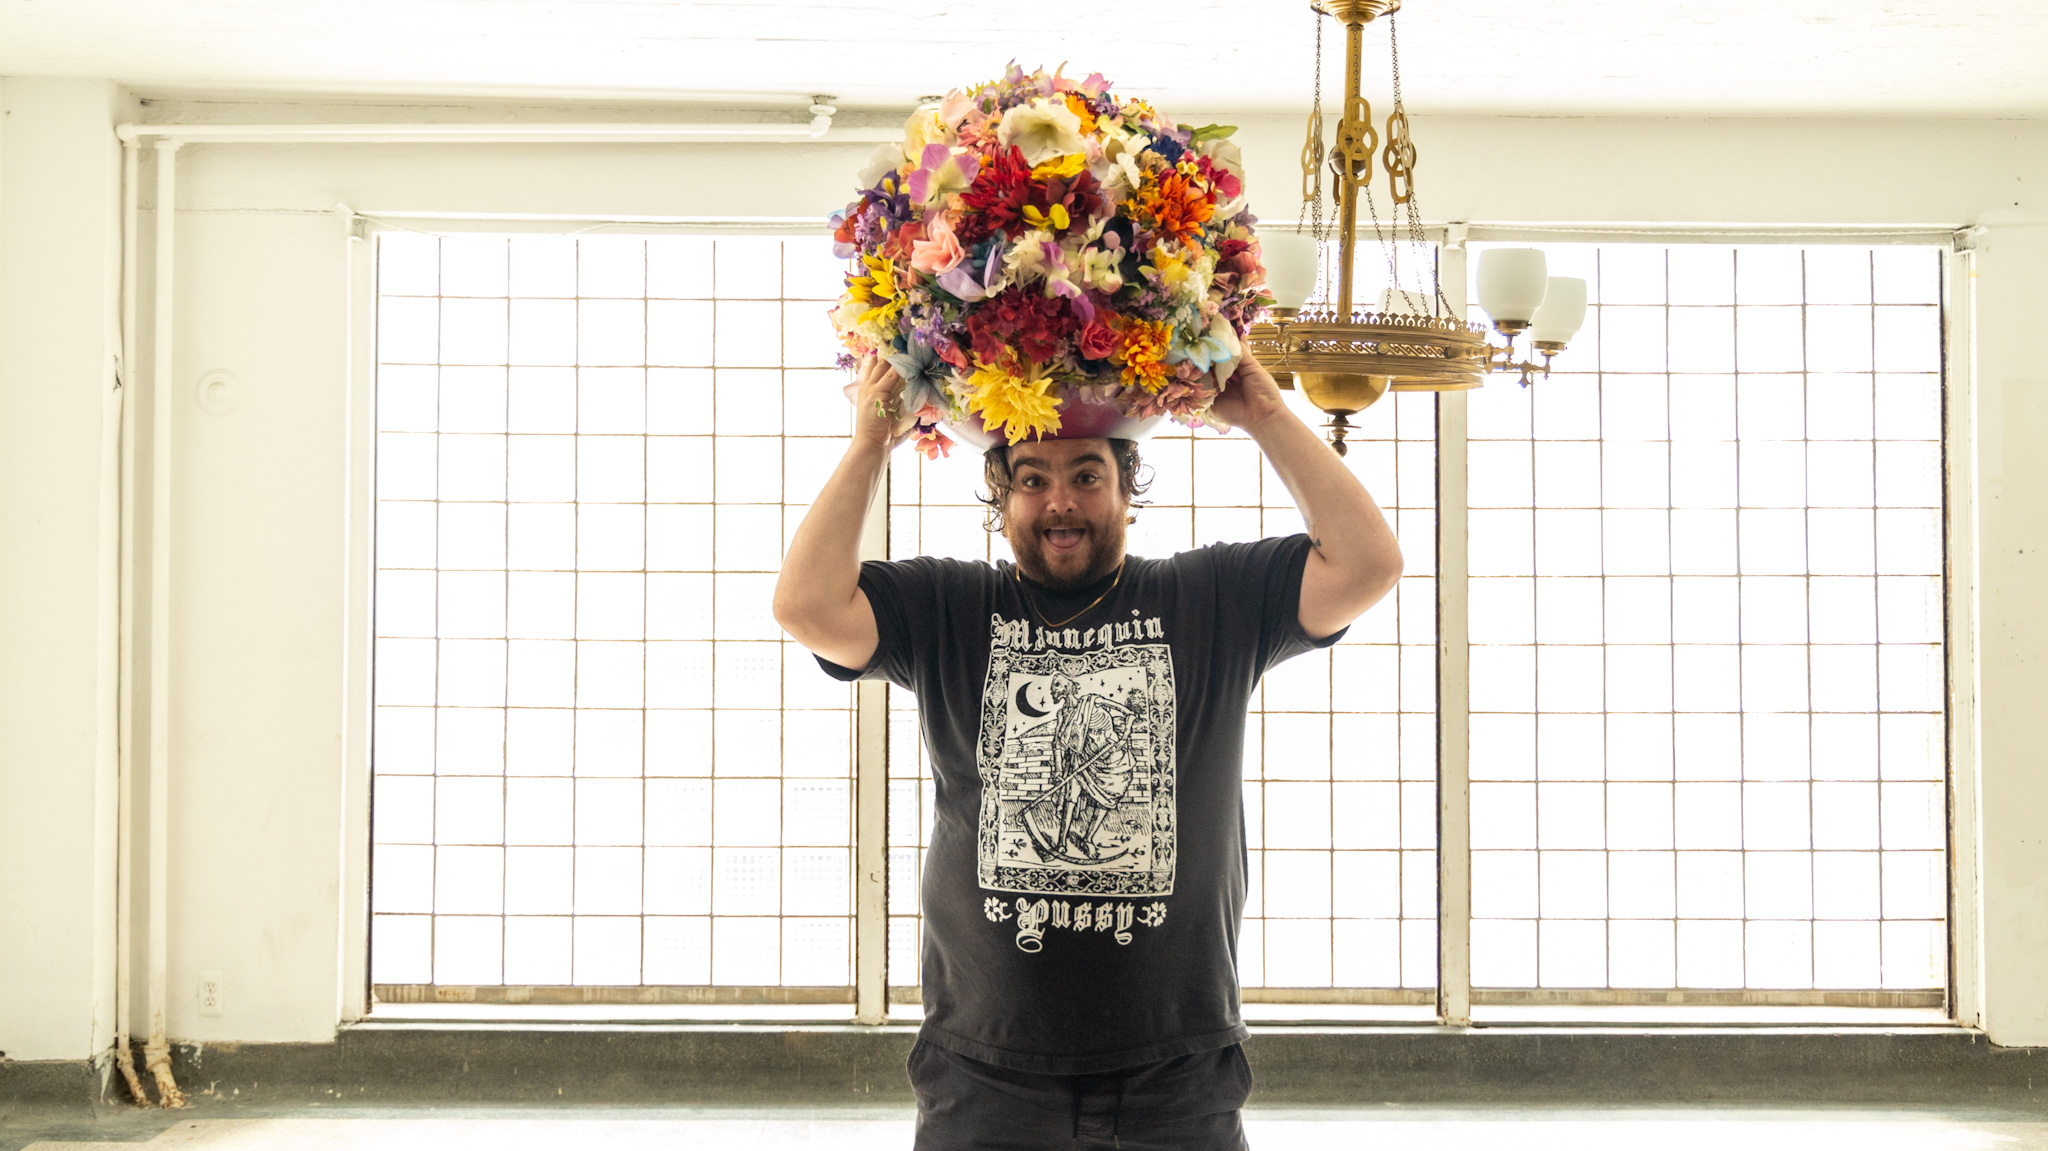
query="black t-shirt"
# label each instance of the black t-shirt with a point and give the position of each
(1086, 876)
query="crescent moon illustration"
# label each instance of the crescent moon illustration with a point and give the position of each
(1024, 702)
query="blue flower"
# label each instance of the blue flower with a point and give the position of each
(924, 375)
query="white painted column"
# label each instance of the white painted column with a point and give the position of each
(59, 255)
(2010, 383)
(871, 811)
(1966, 951)
(1454, 661)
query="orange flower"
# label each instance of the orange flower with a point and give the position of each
(1143, 352)
(1174, 207)
(1079, 107)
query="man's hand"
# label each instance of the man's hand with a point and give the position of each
(878, 416)
(818, 600)
(1251, 398)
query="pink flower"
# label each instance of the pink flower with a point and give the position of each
(1097, 340)
(940, 171)
(940, 251)
(954, 108)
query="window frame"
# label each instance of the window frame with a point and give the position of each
(1453, 1000)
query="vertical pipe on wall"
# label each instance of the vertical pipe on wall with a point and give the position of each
(124, 685)
(158, 1051)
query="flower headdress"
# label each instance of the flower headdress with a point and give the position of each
(1039, 256)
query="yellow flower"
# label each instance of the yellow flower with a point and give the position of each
(1055, 220)
(1020, 405)
(879, 324)
(1170, 268)
(1069, 166)
(878, 285)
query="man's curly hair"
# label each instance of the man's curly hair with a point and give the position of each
(996, 474)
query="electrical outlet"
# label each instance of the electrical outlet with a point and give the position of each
(209, 993)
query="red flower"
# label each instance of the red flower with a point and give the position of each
(1034, 326)
(996, 199)
(1080, 195)
(1098, 340)
(1228, 185)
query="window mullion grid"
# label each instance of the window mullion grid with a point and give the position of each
(575, 582)
(646, 519)
(434, 804)
(1670, 631)
(1741, 728)
(505, 699)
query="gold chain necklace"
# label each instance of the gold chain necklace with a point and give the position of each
(1021, 588)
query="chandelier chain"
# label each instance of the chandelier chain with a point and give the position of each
(1441, 305)
(1389, 240)
(1312, 152)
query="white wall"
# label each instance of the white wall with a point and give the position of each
(259, 721)
(59, 215)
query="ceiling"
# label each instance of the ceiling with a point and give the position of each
(1974, 58)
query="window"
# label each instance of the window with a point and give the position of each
(1706, 610)
(1703, 583)
(598, 762)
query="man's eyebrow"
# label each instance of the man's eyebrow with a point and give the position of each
(1043, 465)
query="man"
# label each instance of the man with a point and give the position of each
(1079, 964)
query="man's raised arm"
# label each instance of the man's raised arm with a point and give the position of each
(1355, 560)
(818, 600)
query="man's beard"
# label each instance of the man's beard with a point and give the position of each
(1101, 550)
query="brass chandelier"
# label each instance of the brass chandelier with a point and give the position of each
(1344, 358)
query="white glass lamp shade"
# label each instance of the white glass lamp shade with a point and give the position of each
(1562, 313)
(1511, 285)
(1290, 259)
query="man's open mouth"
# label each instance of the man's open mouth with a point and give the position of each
(1065, 539)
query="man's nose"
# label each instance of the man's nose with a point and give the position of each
(1062, 498)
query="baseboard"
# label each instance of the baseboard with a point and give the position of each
(36, 1082)
(827, 1066)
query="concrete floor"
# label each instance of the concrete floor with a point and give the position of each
(1391, 1128)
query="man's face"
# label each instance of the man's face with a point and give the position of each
(1065, 514)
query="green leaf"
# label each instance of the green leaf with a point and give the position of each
(1213, 132)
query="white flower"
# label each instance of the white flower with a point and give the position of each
(1043, 130)
(1025, 261)
(846, 317)
(1099, 269)
(1118, 168)
(886, 158)
(925, 127)
(1225, 155)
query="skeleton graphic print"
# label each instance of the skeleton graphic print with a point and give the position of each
(1077, 763)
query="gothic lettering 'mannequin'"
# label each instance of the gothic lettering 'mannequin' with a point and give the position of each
(1023, 635)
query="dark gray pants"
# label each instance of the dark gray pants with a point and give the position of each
(1190, 1103)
